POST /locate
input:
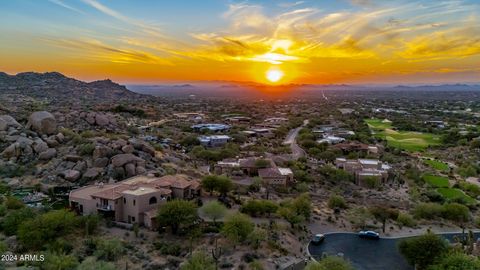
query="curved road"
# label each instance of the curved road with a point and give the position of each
(367, 254)
(291, 139)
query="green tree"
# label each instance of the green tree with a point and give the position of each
(213, 210)
(199, 261)
(209, 183)
(190, 141)
(177, 213)
(303, 205)
(224, 185)
(238, 227)
(40, 231)
(290, 215)
(219, 183)
(257, 237)
(13, 219)
(424, 250)
(457, 261)
(330, 263)
(259, 207)
(383, 214)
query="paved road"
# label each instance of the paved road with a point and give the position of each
(366, 254)
(291, 139)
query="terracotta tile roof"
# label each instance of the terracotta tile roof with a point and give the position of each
(194, 184)
(269, 172)
(114, 191)
(111, 193)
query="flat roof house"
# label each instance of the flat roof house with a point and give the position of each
(214, 140)
(211, 127)
(134, 200)
(364, 168)
(277, 175)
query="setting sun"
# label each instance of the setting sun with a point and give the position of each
(274, 75)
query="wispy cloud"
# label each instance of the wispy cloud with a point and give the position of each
(98, 50)
(372, 37)
(62, 4)
(150, 29)
(290, 5)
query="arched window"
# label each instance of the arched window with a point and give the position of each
(153, 200)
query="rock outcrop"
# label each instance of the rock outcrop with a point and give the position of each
(42, 122)
(7, 121)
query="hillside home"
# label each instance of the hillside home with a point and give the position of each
(214, 140)
(211, 127)
(134, 200)
(364, 168)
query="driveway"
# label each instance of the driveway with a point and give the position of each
(366, 254)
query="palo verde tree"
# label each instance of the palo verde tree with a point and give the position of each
(238, 227)
(213, 210)
(219, 183)
(177, 213)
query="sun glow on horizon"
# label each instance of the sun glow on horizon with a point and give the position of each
(274, 75)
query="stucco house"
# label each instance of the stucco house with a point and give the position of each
(134, 200)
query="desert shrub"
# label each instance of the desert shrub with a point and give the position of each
(405, 219)
(12, 170)
(428, 211)
(109, 249)
(259, 207)
(86, 149)
(165, 248)
(337, 201)
(13, 219)
(13, 203)
(372, 182)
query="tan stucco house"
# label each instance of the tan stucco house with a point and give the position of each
(134, 200)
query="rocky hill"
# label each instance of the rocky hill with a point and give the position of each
(54, 86)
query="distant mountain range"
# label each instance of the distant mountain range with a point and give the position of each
(56, 86)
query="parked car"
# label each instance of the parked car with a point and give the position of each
(318, 239)
(369, 234)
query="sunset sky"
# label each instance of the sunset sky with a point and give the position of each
(317, 41)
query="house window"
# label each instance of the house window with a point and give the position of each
(124, 200)
(133, 219)
(133, 202)
(153, 200)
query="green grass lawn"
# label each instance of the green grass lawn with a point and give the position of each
(436, 181)
(437, 165)
(406, 140)
(453, 193)
(378, 124)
